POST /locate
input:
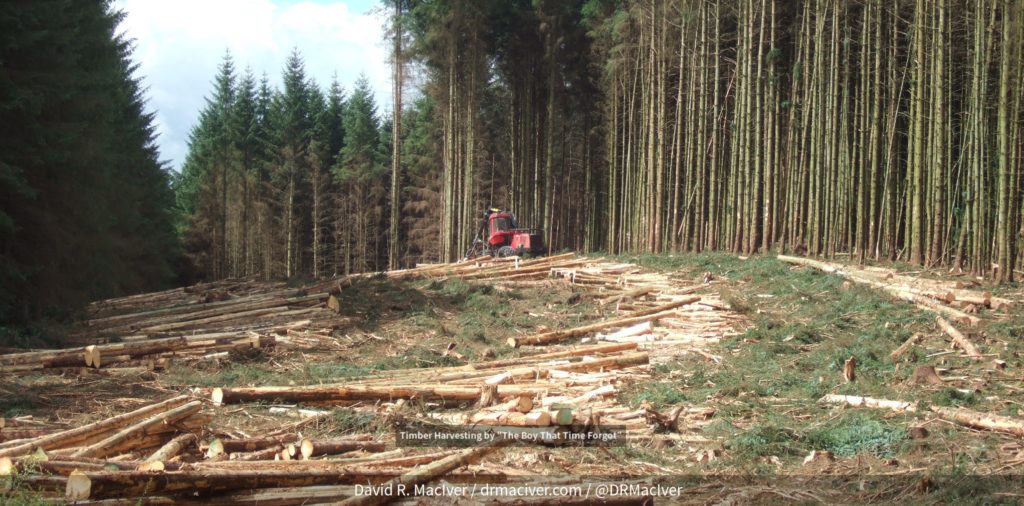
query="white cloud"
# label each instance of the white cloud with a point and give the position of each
(179, 45)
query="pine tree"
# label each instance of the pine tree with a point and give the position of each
(83, 196)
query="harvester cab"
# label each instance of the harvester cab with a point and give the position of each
(500, 235)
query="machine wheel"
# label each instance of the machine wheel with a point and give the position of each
(506, 251)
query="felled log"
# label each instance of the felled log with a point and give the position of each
(71, 436)
(426, 473)
(634, 318)
(921, 301)
(547, 370)
(96, 355)
(323, 494)
(92, 485)
(198, 314)
(512, 419)
(102, 448)
(314, 447)
(259, 443)
(122, 352)
(577, 351)
(335, 393)
(269, 453)
(979, 420)
(868, 402)
(172, 448)
(19, 433)
(959, 339)
(211, 479)
(41, 359)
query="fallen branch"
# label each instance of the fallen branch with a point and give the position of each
(911, 341)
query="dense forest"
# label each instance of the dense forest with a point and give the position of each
(886, 130)
(85, 204)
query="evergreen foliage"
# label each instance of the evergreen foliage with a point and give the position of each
(84, 200)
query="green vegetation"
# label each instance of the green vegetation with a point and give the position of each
(857, 432)
(84, 198)
(804, 325)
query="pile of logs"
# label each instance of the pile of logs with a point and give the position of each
(143, 332)
(560, 377)
(157, 452)
(555, 379)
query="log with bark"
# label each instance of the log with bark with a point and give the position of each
(959, 339)
(336, 393)
(910, 342)
(979, 420)
(868, 402)
(172, 448)
(512, 419)
(634, 318)
(208, 480)
(309, 448)
(103, 447)
(911, 295)
(426, 473)
(72, 436)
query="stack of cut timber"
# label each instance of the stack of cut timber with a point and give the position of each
(143, 332)
(560, 380)
(495, 270)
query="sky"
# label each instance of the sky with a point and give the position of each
(179, 45)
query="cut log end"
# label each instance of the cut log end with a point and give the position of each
(79, 486)
(6, 466)
(91, 356)
(562, 416)
(217, 396)
(524, 404)
(215, 449)
(334, 304)
(306, 449)
(153, 466)
(513, 342)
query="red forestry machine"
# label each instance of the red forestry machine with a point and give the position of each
(500, 236)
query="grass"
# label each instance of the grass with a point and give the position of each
(350, 421)
(859, 431)
(804, 326)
